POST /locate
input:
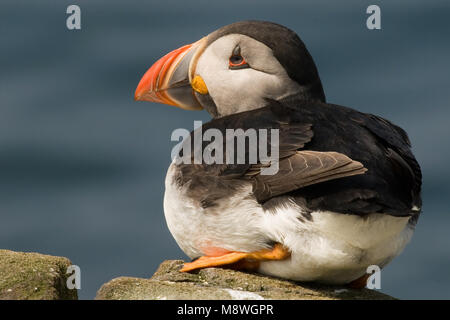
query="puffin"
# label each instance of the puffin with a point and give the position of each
(347, 192)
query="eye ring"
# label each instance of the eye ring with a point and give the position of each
(236, 61)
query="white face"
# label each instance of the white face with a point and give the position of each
(237, 90)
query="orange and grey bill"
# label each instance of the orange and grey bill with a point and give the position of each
(154, 83)
(168, 80)
(233, 259)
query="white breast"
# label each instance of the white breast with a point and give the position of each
(330, 248)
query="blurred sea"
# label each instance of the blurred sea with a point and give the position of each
(82, 165)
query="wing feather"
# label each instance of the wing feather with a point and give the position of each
(302, 169)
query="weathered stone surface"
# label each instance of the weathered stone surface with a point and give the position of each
(33, 276)
(217, 284)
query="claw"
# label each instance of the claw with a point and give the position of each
(359, 283)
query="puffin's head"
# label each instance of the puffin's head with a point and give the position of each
(234, 69)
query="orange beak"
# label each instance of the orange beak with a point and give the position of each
(168, 80)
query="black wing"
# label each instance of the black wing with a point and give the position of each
(296, 168)
(325, 151)
(393, 181)
(398, 150)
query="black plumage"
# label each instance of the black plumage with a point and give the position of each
(391, 184)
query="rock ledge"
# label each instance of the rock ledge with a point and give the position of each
(33, 276)
(222, 284)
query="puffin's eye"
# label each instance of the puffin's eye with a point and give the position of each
(236, 61)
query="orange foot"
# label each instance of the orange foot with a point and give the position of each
(239, 260)
(359, 283)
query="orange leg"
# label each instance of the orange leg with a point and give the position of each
(238, 260)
